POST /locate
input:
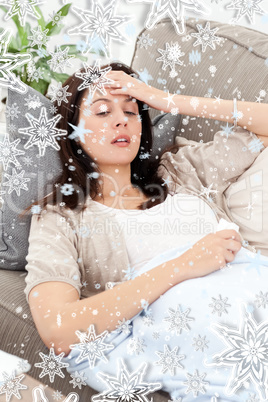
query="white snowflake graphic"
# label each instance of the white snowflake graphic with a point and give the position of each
(16, 181)
(57, 395)
(178, 320)
(56, 18)
(174, 9)
(200, 343)
(247, 352)
(99, 23)
(219, 305)
(135, 345)
(12, 111)
(144, 41)
(39, 37)
(21, 9)
(124, 326)
(11, 385)
(169, 359)
(94, 78)
(39, 395)
(42, 131)
(59, 93)
(27, 160)
(171, 55)
(51, 365)
(35, 74)
(126, 386)
(78, 379)
(32, 102)
(9, 151)
(10, 62)
(91, 346)
(261, 299)
(60, 59)
(195, 383)
(247, 8)
(206, 37)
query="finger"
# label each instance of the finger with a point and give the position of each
(229, 256)
(232, 245)
(229, 234)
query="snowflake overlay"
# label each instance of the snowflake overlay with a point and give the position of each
(12, 385)
(16, 181)
(261, 299)
(99, 23)
(9, 151)
(246, 7)
(91, 346)
(219, 305)
(135, 345)
(206, 37)
(78, 379)
(178, 320)
(9, 62)
(126, 386)
(60, 59)
(169, 359)
(42, 131)
(195, 383)
(51, 365)
(247, 352)
(200, 343)
(59, 93)
(171, 56)
(94, 78)
(174, 9)
(21, 8)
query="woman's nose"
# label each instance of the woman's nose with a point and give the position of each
(119, 118)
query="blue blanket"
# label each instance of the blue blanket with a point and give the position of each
(204, 339)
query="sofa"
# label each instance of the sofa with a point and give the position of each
(236, 65)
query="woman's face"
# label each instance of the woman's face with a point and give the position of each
(115, 127)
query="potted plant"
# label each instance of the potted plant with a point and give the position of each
(44, 65)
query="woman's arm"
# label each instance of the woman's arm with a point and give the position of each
(251, 116)
(58, 312)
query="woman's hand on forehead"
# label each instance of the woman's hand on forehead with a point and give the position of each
(125, 84)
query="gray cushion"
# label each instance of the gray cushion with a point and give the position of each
(240, 59)
(39, 172)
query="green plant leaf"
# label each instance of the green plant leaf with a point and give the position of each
(17, 22)
(41, 86)
(59, 76)
(41, 20)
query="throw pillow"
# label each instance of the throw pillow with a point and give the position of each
(247, 201)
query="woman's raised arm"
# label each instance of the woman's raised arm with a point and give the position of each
(250, 115)
(58, 312)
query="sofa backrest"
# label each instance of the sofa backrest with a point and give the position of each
(236, 67)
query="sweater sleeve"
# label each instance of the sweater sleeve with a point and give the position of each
(215, 164)
(52, 254)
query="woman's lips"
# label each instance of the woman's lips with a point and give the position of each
(121, 144)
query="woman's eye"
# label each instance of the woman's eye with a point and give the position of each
(103, 113)
(131, 113)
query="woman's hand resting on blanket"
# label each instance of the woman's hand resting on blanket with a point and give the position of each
(211, 253)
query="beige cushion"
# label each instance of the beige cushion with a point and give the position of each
(247, 200)
(240, 59)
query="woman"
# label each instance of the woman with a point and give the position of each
(75, 246)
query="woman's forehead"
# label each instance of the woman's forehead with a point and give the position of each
(108, 97)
